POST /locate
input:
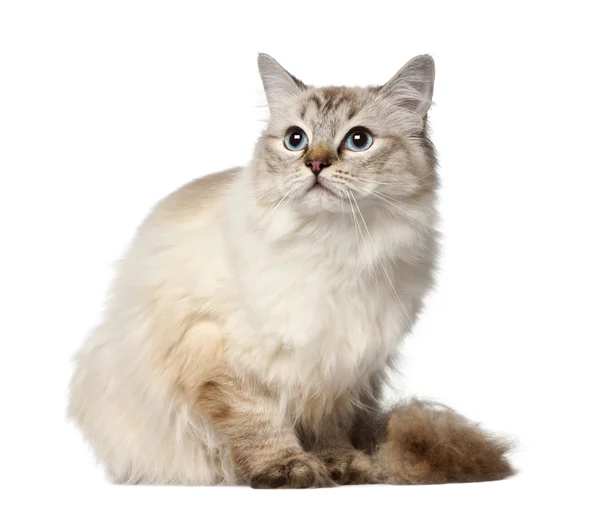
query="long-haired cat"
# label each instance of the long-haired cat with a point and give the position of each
(258, 310)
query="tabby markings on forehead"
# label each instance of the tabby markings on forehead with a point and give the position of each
(334, 97)
(316, 100)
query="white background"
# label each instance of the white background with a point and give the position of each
(107, 106)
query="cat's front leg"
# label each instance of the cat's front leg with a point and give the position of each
(265, 449)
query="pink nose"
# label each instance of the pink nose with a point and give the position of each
(316, 166)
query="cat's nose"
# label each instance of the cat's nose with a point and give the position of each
(316, 166)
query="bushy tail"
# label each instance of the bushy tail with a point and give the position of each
(421, 442)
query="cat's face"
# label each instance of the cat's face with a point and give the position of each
(339, 148)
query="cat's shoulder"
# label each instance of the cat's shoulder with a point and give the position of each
(197, 198)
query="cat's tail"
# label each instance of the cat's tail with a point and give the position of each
(421, 442)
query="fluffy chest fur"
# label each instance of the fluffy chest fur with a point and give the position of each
(321, 305)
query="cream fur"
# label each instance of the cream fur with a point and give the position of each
(295, 296)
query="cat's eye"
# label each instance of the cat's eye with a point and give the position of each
(358, 139)
(295, 139)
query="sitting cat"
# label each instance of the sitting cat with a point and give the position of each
(258, 310)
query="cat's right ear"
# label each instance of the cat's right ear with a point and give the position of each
(279, 85)
(412, 87)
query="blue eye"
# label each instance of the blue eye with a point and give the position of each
(359, 139)
(295, 139)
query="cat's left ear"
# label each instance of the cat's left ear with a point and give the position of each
(412, 87)
(279, 85)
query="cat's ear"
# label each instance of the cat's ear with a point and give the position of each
(279, 85)
(412, 87)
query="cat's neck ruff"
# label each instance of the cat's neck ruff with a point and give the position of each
(361, 237)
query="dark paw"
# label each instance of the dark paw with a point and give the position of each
(299, 471)
(350, 467)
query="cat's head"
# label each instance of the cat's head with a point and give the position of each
(334, 148)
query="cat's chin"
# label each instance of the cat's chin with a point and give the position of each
(318, 199)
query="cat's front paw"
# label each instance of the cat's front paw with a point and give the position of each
(300, 470)
(350, 467)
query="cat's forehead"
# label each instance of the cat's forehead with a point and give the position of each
(332, 101)
(332, 104)
(326, 110)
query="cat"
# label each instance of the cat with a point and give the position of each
(258, 311)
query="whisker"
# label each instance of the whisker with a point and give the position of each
(249, 196)
(399, 182)
(379, 258)
(356, 226)
(384, 198)
(292, 197)
(263, 218)
(270, 212)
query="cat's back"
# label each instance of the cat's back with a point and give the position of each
(179, 249)
(195, 202)
(184, 230)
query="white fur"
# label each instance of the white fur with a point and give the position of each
(311, 311)
(313, 305)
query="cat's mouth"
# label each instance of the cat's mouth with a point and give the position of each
(320, 188)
